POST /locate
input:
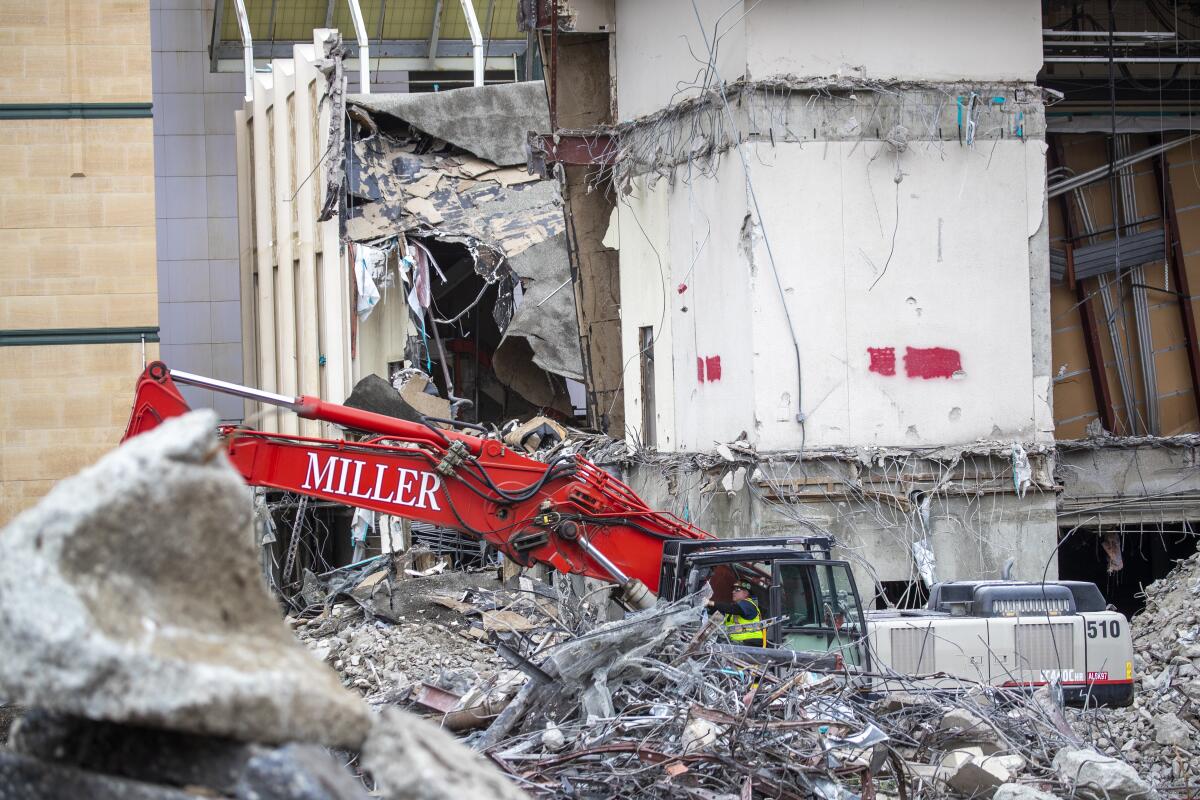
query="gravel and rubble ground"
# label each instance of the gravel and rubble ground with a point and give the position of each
(658, 705)
(426, 640)
(1160, 732)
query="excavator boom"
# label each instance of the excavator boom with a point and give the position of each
(568, 513)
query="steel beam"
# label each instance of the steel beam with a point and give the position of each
(575, 149)
(435, 30)
(1178, 272)
(215, 41)
(1091, 331)
(396, 48)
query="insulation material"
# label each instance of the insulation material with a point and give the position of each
(440, 166)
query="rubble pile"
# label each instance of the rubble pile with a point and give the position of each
(433, 629)
(660, 706)
(1159, 732)
(151, 663)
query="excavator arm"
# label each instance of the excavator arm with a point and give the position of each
(567, 514)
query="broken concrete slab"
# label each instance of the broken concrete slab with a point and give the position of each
(1020, 791)
(100, 611)
(488, 121)
(416, 760)
(373, 393)
(297, 772)
(1096, 775)
(138, 753)
(1171, 730)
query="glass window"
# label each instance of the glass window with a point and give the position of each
(818, 595)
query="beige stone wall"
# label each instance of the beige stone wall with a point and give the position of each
(77, 224)
(77, 236)
(64, 407)
(84, 51)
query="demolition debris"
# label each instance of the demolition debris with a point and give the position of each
(1158, 733)
(133, 615)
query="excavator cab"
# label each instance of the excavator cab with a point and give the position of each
(808, 598)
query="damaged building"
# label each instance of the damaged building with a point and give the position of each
(813, 285)
(848, 301)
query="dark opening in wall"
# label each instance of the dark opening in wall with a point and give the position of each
(322, 541)
(1141, 553)
(901, 594)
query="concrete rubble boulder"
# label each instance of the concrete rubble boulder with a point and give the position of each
(1095, 775)
(151, 663)
(416, 760)
(50, 751)
(1171, 730)
(131, 593)
(1020, 791)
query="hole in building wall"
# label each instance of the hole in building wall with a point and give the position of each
(1144, 553)
(470, 312)
(322, 541)
(901, 594)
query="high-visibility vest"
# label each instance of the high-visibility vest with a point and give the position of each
(748, 629)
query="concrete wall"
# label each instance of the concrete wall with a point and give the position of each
(76, 234)
(971, 534)
(865, 264)
(662, 47)
(196, 211)
(661, 51)
(1150, 484)
(920, 40)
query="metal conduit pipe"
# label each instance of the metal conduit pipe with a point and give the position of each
(1141, 304)
(1101, 172)
(1085, 215)
(247, 47)
(364, 48)
(476, 39)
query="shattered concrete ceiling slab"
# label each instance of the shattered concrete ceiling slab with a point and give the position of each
(489, 121)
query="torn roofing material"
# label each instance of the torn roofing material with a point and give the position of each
(488, 121)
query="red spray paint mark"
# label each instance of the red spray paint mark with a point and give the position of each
(708, 368)
(883, 360)
(681, 288)
(931, 362)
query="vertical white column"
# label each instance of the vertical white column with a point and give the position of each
(307, 349)
(245, 204)
(283, 73)
(264, 243)
(333, 276)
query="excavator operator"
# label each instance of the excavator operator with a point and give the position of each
(742, 617)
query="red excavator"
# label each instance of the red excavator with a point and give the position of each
(574, 517)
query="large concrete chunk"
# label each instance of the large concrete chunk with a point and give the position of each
(132, 593)
(412, 759)
(1099, 776)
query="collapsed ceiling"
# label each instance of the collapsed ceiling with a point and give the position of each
(449, 168)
